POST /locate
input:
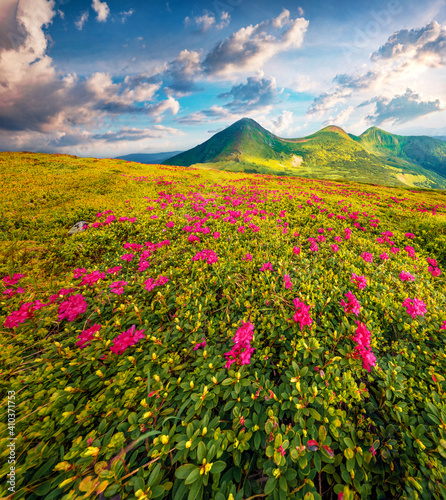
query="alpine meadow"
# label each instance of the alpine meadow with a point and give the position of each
(222, 250)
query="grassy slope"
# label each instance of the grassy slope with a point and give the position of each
(330, 153)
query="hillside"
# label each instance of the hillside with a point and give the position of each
(330, 153)
(215, 335)
(148, 158)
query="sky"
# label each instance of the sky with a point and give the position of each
(107, 78)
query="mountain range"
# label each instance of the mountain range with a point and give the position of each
(376, 156)
(149, 158)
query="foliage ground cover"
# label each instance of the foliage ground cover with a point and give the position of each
(220, 335)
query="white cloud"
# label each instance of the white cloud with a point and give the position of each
(204, 22)
(102, 10)
(82, 20)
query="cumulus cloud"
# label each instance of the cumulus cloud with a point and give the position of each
(136, 134)
(426, 45)
(102, 10)
(283, 123)
(401, 108)
(207, 20)
(82, 20)
(125, 14)
(249, 48)
(254, 94)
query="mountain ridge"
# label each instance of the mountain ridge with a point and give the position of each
(374, 156)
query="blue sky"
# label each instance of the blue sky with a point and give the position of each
(106, 78)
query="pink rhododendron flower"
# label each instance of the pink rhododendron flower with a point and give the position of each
(335, 248)
(126, 339)
(338, 239)
(118, 287)
(404, 276)
(410, 250)
(352, 306)
(435, 271)
(248, 256)
(394, 249)
(409, 235)
(13, 280)
(320, 238)
(296, 250)
(92, 278)
(25, 311)
(287, 281)
(114, 270)
(314, 247)
(267, 267)
(200, 345)
(361, 281)
(368, 257)
(170, 223)
(443, 326)
(384, 256)
(216, 235)
(78, 273)
(242, 350)
(208, 255)
(241, 229)
(150, 284)
(143, 266)
(432, 262)
(73, 307)
(302, 314)
(10, 292)
(87, 336)
(128, 257)
(372, 450)
(60, 294)
(362, 349)
(414, 307)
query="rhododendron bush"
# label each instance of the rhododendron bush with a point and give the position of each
(224, 336)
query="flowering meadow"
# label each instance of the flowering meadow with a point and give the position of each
(220, 335)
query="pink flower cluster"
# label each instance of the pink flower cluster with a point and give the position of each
(410, 250)
(405, 276)
(296, 250)
(92, 278)
(118, 287)
(200, 345)
(414, 307)
(73, 307)
(126, 339)
(248, 256)
(114, 270)
(368, 257)
(25, 311)
(302, 314)
(352, 306)
(287, 281)
(13, 280)
(267, 267)
(208, 255)
(86, 336)
(433, 269)
(362, 338)
(150, 284)
(242, 350)
(361, 281)
(10, 292)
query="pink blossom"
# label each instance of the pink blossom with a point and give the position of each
(361, 281)
(338, 239)
(216, 235)
(87, 336)
(287, 281)
(114, 270)
(200, 345)
(25, 311)
(352, 306)
(334, 248)
(128, 257)
(410, 250)
(267, 267)
(404, 276)
(13, 280)
(432, 262)
(208, 255)
(150, 284)
(394, 249)
(170, 223)
(435, 271)
(193, 238)
(248, 256)
(126, 339)
(10, 292)
(302, 314)
(320, 238)
(143, 266)
(384, 256)
(314, 247)
(372, 450)
(241, 229)
(118, 287)
(242, 350)
(348, 233)
(368, 257)
(410, 235)
(73, 307)
(414, 307)
(92, 278)
(78, 273)
(362, 349)
(60, 294)
(296, 250)
(443, 326)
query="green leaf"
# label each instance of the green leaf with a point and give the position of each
(201, 452)
(196, 492)
(282, 483)
(193, 476)
(43, 489)
(183, 471)
(153, 475)
(270, 485)
(218, 466)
